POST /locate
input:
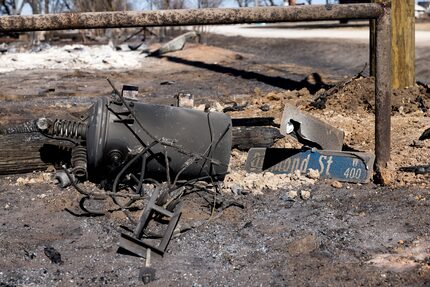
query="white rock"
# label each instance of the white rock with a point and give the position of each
(200, 107)
(292, 194)
(313, 173)
(305, 194)
(236, 189)
(336, 184)
(219, 107)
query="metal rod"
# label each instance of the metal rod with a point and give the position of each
(188, 17)
(383, 90)
(372, 47)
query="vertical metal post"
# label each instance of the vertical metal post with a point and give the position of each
(372, 42)
(383, 90)
(372, 47)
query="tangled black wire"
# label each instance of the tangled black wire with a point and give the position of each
(171, 192)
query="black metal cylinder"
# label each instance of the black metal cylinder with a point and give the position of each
(184, 135)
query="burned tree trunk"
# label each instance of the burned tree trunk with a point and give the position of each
(26, 152)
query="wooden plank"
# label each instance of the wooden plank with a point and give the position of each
(403, 43)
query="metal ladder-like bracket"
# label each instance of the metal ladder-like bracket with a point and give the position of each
(138, 246)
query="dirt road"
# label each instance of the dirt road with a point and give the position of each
(357, 31)
(316, 44)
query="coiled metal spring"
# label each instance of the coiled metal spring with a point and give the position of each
(79, 161)
(69, 129)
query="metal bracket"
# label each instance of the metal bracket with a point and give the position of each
(136, 245)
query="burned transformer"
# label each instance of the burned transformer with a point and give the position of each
(125, 138)
(125, 145)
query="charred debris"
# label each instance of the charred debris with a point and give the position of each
(159, 154)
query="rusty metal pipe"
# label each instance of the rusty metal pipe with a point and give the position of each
(188, 17)
(383, 90)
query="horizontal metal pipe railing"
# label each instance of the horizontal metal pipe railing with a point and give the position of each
(188, 17)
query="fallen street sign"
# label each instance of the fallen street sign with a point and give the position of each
(340, 165)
